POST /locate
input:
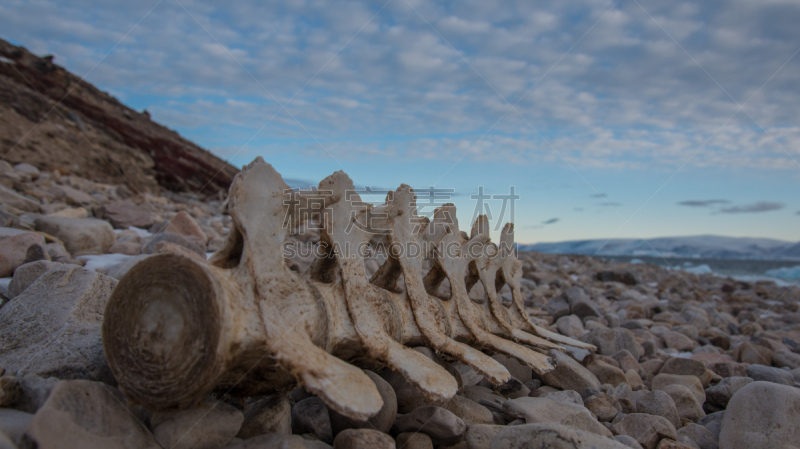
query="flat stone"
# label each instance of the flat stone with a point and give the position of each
(414, 440)
(81, 414)
(770, 374)
(480, 436)
(543, 410)
(311, 416)
(521, 372)
(721, 393)
(551, 436)
(691, 382)
(607, 374)
(571, 326)
(689, 408)
(685, 367)
(659, 403)
(183, 223)
(210, 425)
(269, 415)
(604, 406)
(124, 214)
(14, 422)
(26, 274)
(363, 439)
(569, 374)
(81, 236)
(702, 437)
(647, 430)
(440, 424)
(611, 341)
(713, 422)
(14, 251)
(14, 199)
(53, 327)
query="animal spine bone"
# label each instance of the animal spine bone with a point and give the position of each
(176, 329)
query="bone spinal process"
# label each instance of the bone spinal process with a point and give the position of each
(176, 328)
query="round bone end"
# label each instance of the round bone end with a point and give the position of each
(161, 331)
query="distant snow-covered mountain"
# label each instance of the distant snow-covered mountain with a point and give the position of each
(701, 246)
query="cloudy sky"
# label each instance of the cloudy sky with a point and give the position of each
(608, 118)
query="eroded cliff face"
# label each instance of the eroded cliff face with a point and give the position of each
(52, 119)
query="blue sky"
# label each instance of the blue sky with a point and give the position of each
(610, 119)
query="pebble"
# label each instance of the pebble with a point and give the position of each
(551, 435)
(440, 424)
(363, 439)
(569, 374)
(647, 430)
(770, 374)
(211, 425)
(543, 410)
(659, 403)
(311, 416)
(383, 420)
(269, 415)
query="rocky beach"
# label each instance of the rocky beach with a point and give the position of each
(683, 360)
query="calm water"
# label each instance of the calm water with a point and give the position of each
(725, 267)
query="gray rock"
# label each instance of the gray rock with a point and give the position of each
(647, 430)
(723, 391)
(762, 414)
(628, 441)
(686, 402)
(14, 199)
(468, 410)
(80, 414)
(278, 441)
(413, 440)
(479, 436)
(551, 436)
(678, 341)
(770, 374)
(13, 423)
(6, 442)
(53, 327)
(176, 239)
(685, 367)
(658, 403)
(522, 373)
(565, 397)
(607, 373)
(701, 436)
(786, 359)
(27, 273)
(478, 393)
(557, 307)
(570, 325)
(20, 249)
(611, 341)
(604, 406)
(208, 426)
(35, 391)
(543, 410)
(363, 439)
(579, 303)
(311, 416)
(124, 214)
(81, 236)
(440, 424)
(382, 421)
(569, 374)
(269, 415)
(713, 422)
(691, 382)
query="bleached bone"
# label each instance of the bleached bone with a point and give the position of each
(176, 329)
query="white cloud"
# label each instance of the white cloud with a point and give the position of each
(625, 95)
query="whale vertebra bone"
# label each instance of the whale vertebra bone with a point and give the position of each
(176, 329)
